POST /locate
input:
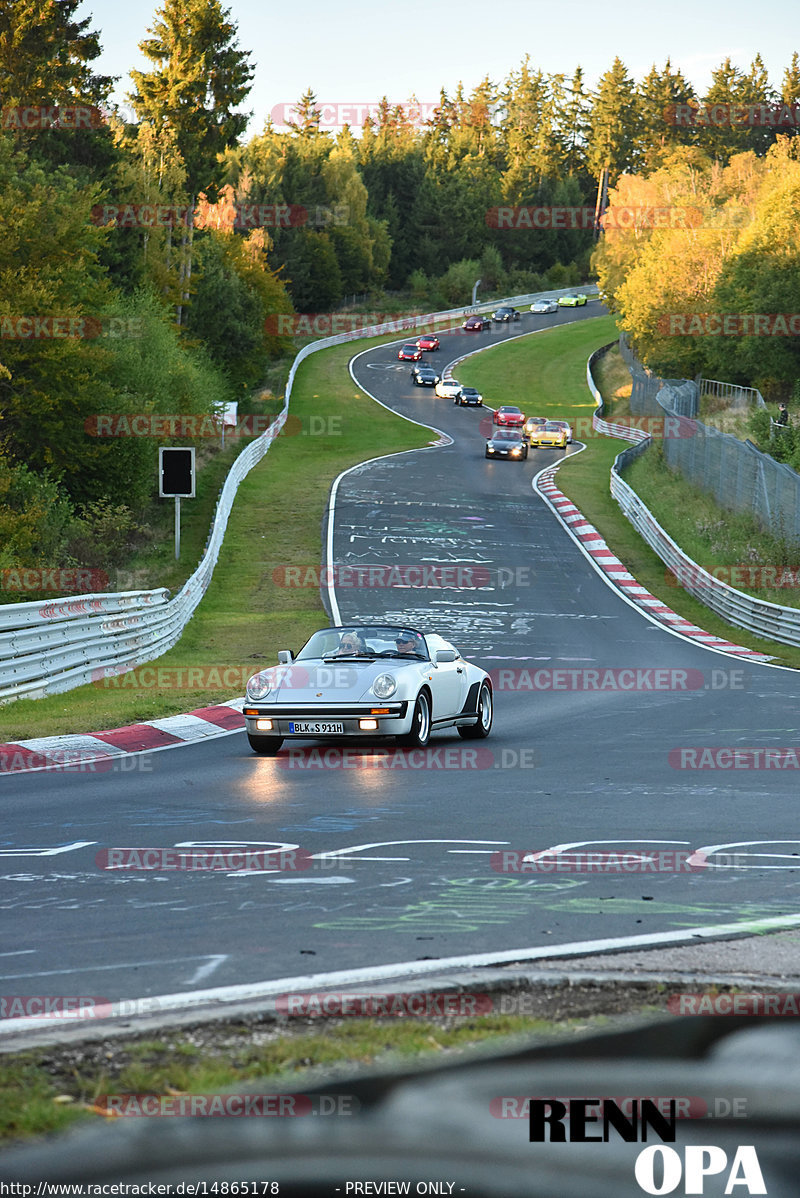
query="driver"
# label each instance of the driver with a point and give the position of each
(408, 644)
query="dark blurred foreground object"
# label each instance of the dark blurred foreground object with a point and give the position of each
(441, 1124)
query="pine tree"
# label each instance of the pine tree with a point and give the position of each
(612, 124)
(46, 55)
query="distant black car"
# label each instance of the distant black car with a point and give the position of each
(504, 315)
(424, 376)
(468, 395)
(507, 443)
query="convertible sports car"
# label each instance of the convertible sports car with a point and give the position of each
(571, 301)
(448, 389)
(424, 376)
(368, 681)
(409, 353)
(428, 341)
(476, 324)
(510, 416)
(551, 434)
(505, 315)
(544, 306)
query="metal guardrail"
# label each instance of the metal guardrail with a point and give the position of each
(732, 392)
(769, 620)
(50, 647)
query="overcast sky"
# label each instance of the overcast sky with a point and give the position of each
(357, 51)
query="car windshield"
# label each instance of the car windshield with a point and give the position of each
(468, 391)
(552, 428)
(365, 640)
(511, 411)
(409, 349)
(507, 434)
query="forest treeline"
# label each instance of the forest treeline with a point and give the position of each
(141, 260)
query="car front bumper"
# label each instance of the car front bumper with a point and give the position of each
(390, 719)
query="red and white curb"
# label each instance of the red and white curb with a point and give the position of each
(619, 577)
(97, 751)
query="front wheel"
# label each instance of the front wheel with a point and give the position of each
(420, 732)
(267, 746)
(483, 726)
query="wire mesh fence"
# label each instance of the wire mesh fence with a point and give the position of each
(739, 476)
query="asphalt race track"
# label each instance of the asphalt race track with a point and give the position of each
(408, 871)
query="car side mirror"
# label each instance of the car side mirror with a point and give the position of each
(445, 655)
(285, 657)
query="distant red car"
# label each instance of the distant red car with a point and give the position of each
(509, 416)
(428, 342)
(476, 324)
(410, 353)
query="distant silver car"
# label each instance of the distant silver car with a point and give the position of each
(368, 681)
(544, 306)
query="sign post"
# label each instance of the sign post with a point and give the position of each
(176, 479)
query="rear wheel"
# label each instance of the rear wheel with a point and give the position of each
(420, 732)
(483, 726)
(267, 746)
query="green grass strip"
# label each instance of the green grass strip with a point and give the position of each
(545, 375)
(247, 615)
(48, 1090)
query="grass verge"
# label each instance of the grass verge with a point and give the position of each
(545, 374)
(52, 1088)
(247, 614)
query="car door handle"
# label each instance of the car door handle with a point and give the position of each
(459, 670)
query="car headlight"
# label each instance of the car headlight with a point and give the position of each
(489, 448)
(384, 686)
(259, 686)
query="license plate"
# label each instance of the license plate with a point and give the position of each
(314, 727)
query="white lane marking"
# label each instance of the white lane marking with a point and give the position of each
(708, 849)
(204, 971)
(309, 881)
(379, 844)
(120, 965)
(64, 848)
(172, 1003)
(19, 952)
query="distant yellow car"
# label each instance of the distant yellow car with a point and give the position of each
(549, 435)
